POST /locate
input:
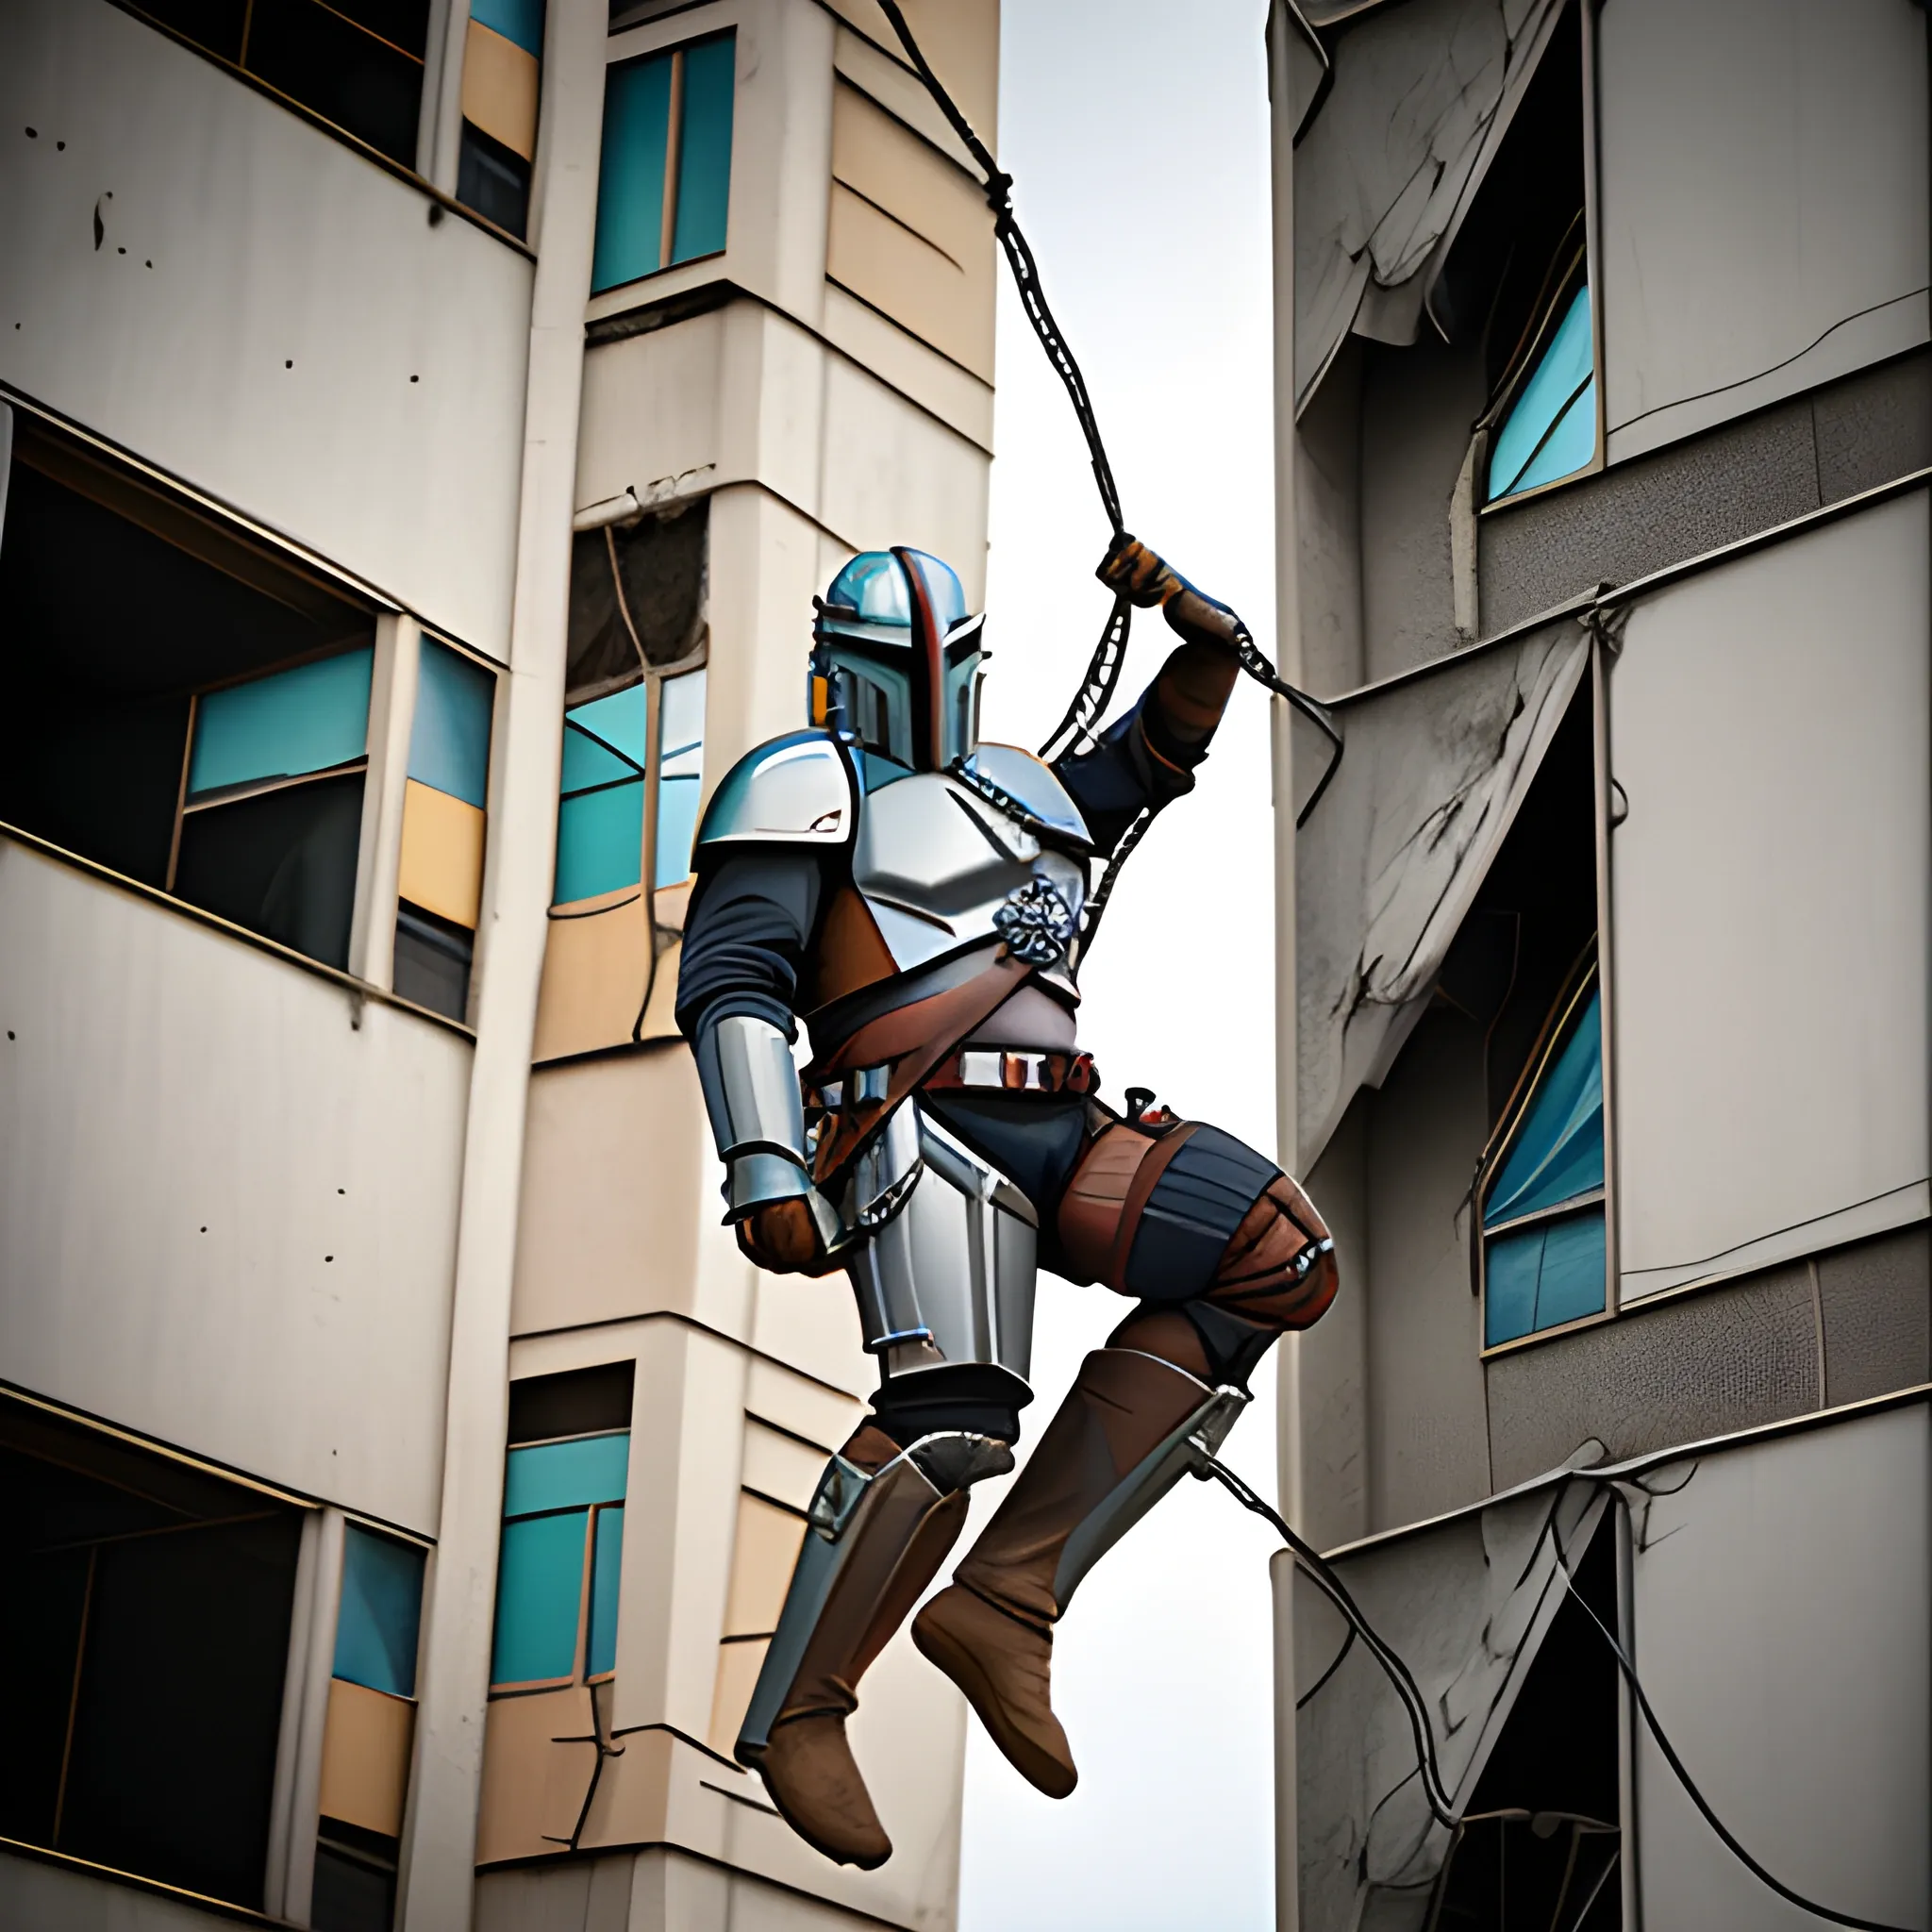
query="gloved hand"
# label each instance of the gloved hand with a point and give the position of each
(1130, 569)
(788, 1237)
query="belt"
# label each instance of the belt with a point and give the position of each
(1007, 1070)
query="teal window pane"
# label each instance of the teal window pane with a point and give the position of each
(1559, 1150)
(606, 1564)
(621, 721)
(680, 774)
(1511, 1269)
(600, 843)
(1571, 1284)
(1571, 445)
(521, 21)
(703, 149)
(1538, 1278)
(630, 177)
(540, 1588)
(279, 726)
(562, 1475)
(449, 739)
(381, 1608)
(1546, 402)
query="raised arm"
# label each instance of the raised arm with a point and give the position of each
(1147, 759)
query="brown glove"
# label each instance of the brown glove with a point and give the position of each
(784, 1239)
(1132, 570)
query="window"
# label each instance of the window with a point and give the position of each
(1516, 282)
(356, 64)
(145, 1622)
(562, 1555)
(372, 1713)
(187, 707)
(503, 55)
(637, 643)
(664, 185)
(440, 878)
(1543, 1204)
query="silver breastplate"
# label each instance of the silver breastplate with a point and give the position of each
(943, 867)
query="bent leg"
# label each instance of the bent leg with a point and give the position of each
(1225, 1253)
(882, 1522)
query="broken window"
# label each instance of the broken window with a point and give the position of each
(189, 708)
(1516, 281)
(440, 876)
(145, 1619)
(1522, 968)
(1538, 1844)
(562, 1552)
(370, 1727)
(503, 57)
(663, 189)
(356, 64)
(637, 646)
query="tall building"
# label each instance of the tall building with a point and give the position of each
(1604, 418)
(427, 424)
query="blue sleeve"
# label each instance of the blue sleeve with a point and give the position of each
(1137, 765)
(745, 939)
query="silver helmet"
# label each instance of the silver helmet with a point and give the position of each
(896, 661)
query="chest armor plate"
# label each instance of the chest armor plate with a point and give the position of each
(941, 868)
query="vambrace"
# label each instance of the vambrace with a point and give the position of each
(751, 1093)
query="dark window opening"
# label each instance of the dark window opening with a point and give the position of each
(659, 584)
(582, 1402)
(186, 708)
(1517, 281)
(146, 1617)
(494, 180)
(1538, 1849)
(355, 1879)
(356, 64)
(433, 962)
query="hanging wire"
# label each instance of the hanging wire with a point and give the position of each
(1109, 655)
(1442, 1804)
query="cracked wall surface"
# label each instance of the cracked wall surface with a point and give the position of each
(1389, 160)
(1465, 1604)
(1391, 860)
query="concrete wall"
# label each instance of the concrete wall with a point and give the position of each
(228, 1195)
(1778, 1606)
(342, 362)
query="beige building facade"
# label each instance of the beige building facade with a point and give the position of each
(427, 427)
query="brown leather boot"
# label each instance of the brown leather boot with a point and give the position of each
(990, 1630)
(900, 1534)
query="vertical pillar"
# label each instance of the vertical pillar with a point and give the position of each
(440, 1842)
(296, 1808)
(391, 716)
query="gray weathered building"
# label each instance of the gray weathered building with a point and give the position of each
(1605, 404)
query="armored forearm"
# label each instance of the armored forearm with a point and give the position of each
(758, 1120)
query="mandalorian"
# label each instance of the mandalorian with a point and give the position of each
(916, 898)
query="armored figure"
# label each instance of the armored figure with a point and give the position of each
(915, 896)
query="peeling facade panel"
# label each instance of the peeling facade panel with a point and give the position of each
(315, 323)
(1779, 1593)
(1391, 860)
(1776, 704)
(267, 1286)
(1764, 181)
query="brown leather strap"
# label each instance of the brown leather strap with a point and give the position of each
(1138, 1190)
(914, 1040)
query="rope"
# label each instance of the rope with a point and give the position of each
(1109, 655)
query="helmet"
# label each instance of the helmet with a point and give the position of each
(896, 661)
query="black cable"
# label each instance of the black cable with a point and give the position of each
(1726, 1834)
(1317, 1569)
(1104, 667)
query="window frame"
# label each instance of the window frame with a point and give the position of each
(1583, 981)
(182, 501)
(1589, 256)
(436, 67)
(579, 1672)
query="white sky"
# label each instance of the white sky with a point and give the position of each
(1137, 134)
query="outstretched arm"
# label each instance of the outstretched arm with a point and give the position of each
(1148, 758)
(744, 943)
